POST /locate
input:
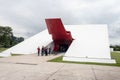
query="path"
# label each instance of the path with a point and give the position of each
(33, 67)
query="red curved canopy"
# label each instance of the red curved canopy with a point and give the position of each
(59, 35)
(56, 28)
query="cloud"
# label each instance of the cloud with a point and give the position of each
(26, 17)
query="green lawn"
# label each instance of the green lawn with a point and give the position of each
(114, 55)
(16, 54)
(2, 49)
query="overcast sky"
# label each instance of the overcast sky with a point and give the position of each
(26, 17)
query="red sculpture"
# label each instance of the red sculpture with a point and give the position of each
(62, 38)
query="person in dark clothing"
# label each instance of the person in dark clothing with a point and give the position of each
(38, 49)
(49, 50)
(46, 51)
(42, 51)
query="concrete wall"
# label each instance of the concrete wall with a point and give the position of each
(29, 46)
(91, 42)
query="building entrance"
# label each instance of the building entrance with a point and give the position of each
(63, 47)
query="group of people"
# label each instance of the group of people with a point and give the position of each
(44, 51)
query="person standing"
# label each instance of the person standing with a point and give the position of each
(38, 49)
(46, 51)
(49, 50)
(42, 51)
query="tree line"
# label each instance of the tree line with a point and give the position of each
(7, 39)
(115, 47)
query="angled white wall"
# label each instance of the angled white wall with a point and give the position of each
(91, 44)
(29, 46)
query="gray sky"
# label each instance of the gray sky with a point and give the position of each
(26, 17)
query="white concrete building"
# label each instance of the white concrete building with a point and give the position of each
(90, 44)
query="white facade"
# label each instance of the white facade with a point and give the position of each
(91, 44)
(29, 46)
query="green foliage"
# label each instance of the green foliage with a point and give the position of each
(5, 36)
(58, 59)
(2, 49)
(16, 54)
(115, 47)
(7, 39)
(116, 56)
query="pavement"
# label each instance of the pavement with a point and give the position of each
(33, 67)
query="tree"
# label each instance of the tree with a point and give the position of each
(5, 35)
(115, 47)
(7, 39)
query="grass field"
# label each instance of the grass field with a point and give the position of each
(114, 55)
(2, 49)
(16, 54)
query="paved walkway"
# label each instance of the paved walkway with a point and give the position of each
(28, 59)
(33, 67)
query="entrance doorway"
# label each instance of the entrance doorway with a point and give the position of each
(63, 47)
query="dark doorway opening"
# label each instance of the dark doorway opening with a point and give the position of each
(63, 47)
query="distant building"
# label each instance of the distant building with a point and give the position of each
(111, 49)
